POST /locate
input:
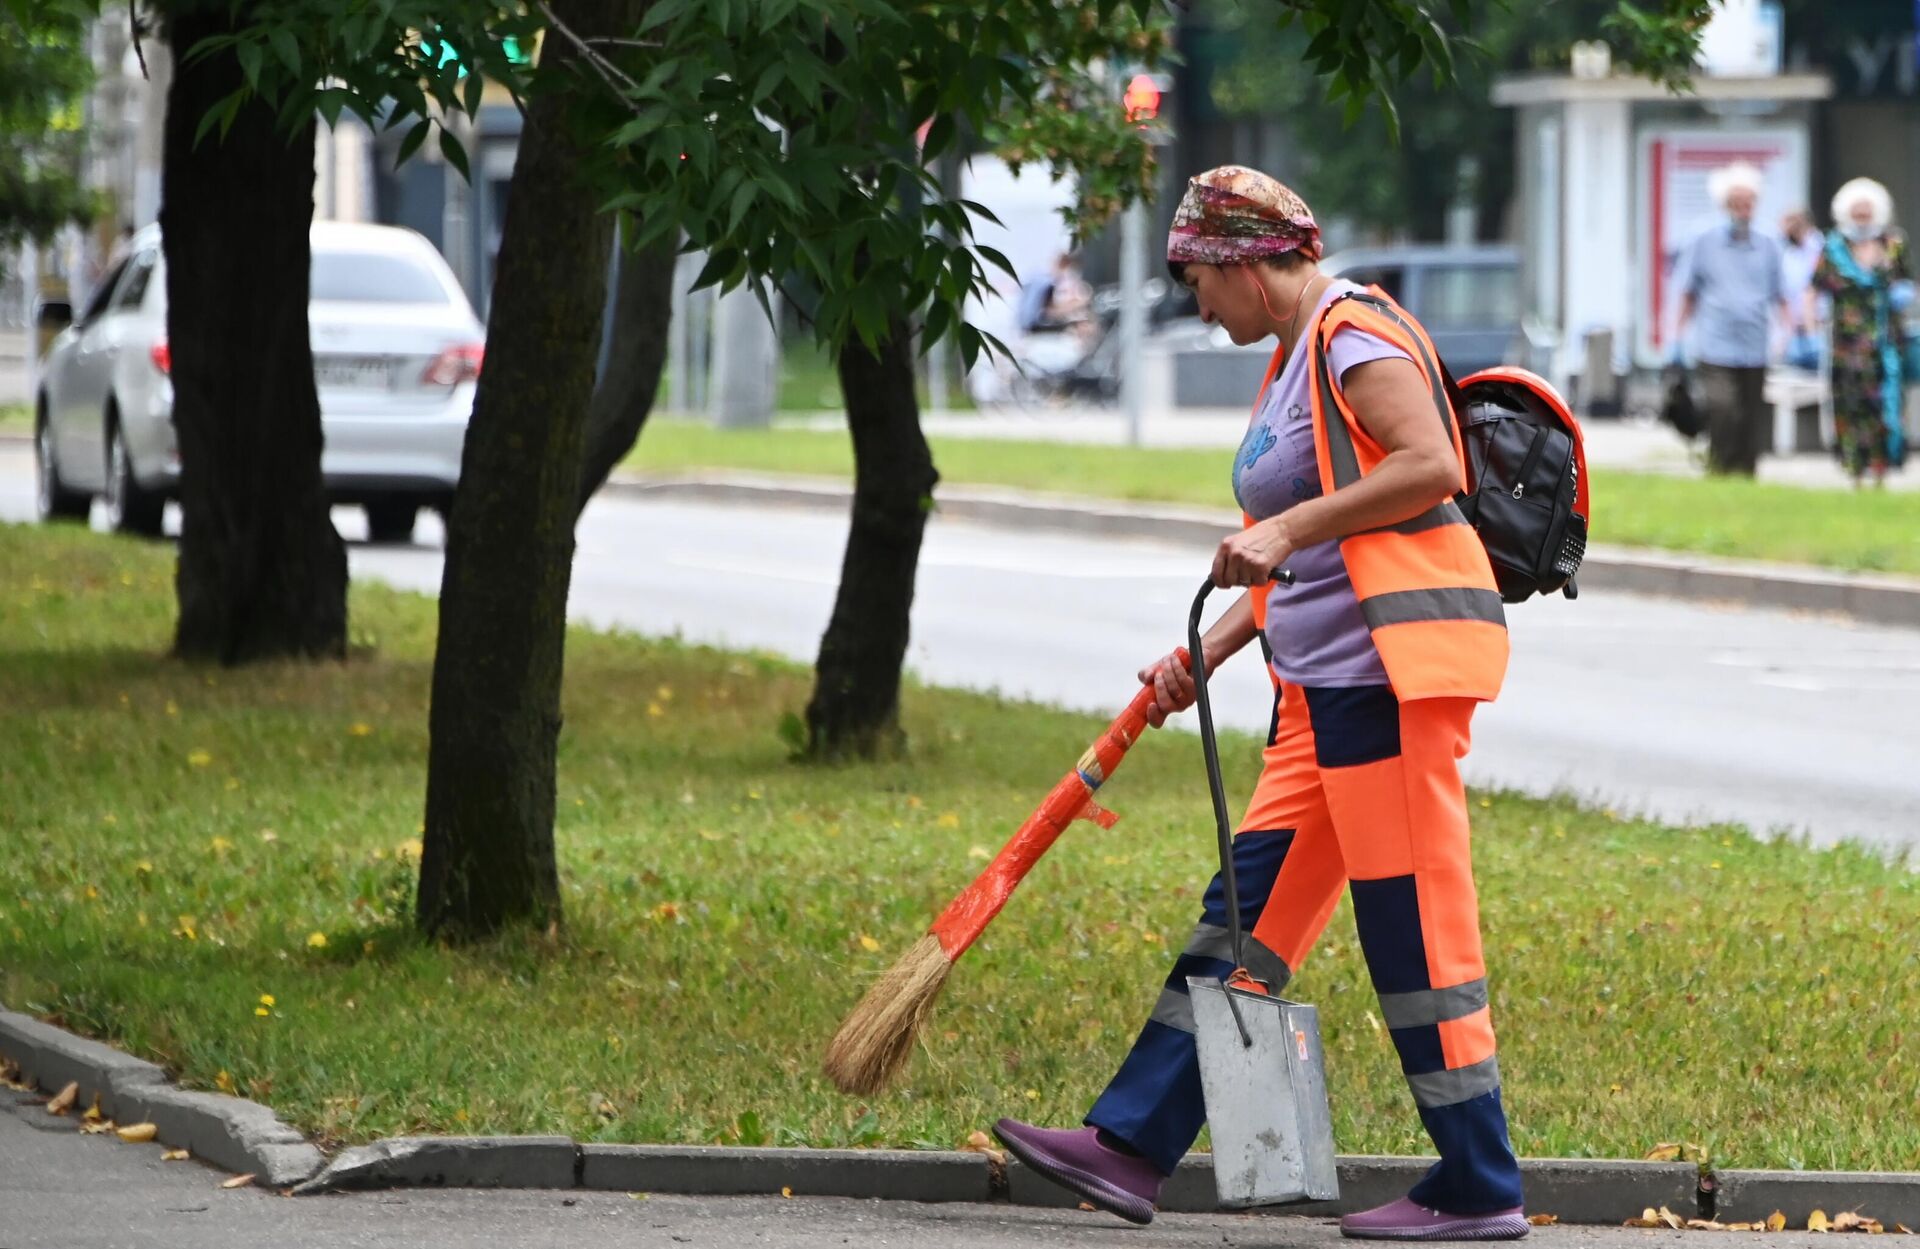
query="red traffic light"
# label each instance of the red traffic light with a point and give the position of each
(1142, 98)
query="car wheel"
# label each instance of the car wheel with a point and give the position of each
(130, 509)
(391, 521)
(54, 501)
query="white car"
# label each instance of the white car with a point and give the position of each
(396, 353)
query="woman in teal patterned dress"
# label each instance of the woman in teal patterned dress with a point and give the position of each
(1864, 269)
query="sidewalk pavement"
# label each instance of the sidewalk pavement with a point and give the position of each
(1627, 443)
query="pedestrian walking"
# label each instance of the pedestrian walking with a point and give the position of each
(1360, 787)
(1801, 245)
(1865, 272)
(1733, 288)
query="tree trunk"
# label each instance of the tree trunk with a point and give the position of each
(855, 710)
(494, 726)
(642, 310)
(261, 573)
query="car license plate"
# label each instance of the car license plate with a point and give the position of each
(353, 372)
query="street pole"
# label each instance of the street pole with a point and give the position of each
(1133, 315)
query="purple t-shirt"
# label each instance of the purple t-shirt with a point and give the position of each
(1315, 627)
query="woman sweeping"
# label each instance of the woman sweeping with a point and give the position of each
(1390, 636)
(1863, 266)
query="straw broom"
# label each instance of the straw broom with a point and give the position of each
(877, 1038)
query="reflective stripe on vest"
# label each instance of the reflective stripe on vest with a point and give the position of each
(1424, 585)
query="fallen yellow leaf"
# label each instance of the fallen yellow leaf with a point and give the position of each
(174, 1155)
(96, 1129)
(1705, 1225)
(979, 852)
(1671, 1219)
(137, 1133)
(788, 1192)
(869, 944)
(238, 1181)
(1663, 1153)
(63, 1100)
(1817, 1221)
(1903, 1229)
(1543, 1220)
(317, 941)
(948, 819)
(199, 758)
(1649, 1217)
(93, 1114)
(1776, 1222)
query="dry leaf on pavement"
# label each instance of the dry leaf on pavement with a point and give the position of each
(1776, 1222)
(93, 1114)
(175, 1155)
(238, 1181)
(97, 1129)
(1543, 1220)
(1705, 1225)
(63, 1100)
(1817, 1221)
(1648, 1218)
(137, 1133)
(980, 1143)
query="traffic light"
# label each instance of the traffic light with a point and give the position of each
(1142, 98)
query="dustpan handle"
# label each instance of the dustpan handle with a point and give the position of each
(1210, 747)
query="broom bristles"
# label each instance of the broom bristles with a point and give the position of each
(878, 1036)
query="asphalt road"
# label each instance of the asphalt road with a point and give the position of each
(1687, 712)
(61, 1189)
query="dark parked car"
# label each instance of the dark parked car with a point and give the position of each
(1468, 298)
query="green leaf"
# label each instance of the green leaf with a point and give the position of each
(456, 154)
(250, 57)
(742, 201)
(286, 48)
(411, 144)
(997, 260)
(939, 135)
(475, 87)
(220, 114)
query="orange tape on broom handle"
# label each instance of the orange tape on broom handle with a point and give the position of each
(968, 915)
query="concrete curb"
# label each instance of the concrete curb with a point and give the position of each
(229, 1132)
(1748, 1196)
(715, 1171)
(453, 1162)
(1868, 598)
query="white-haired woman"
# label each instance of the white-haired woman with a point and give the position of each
(1864, 268)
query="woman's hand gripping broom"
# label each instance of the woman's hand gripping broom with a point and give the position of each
(878, 1036)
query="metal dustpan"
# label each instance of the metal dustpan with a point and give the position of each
(1261, 1066)
(1266, 1096)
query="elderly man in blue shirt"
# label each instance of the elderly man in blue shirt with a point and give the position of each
(1732, 291)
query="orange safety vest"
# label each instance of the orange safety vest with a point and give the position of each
(1425, 587)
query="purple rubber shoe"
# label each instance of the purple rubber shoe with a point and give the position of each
(1404, 1220)
(1075, 1159)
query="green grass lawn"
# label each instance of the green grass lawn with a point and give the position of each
(183, 844)
(807, 381)
(1870, 532)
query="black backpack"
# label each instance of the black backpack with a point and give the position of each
(1526, 490)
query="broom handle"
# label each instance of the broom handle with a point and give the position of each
(968, 915)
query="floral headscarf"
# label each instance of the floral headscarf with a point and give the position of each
(1234, 216)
